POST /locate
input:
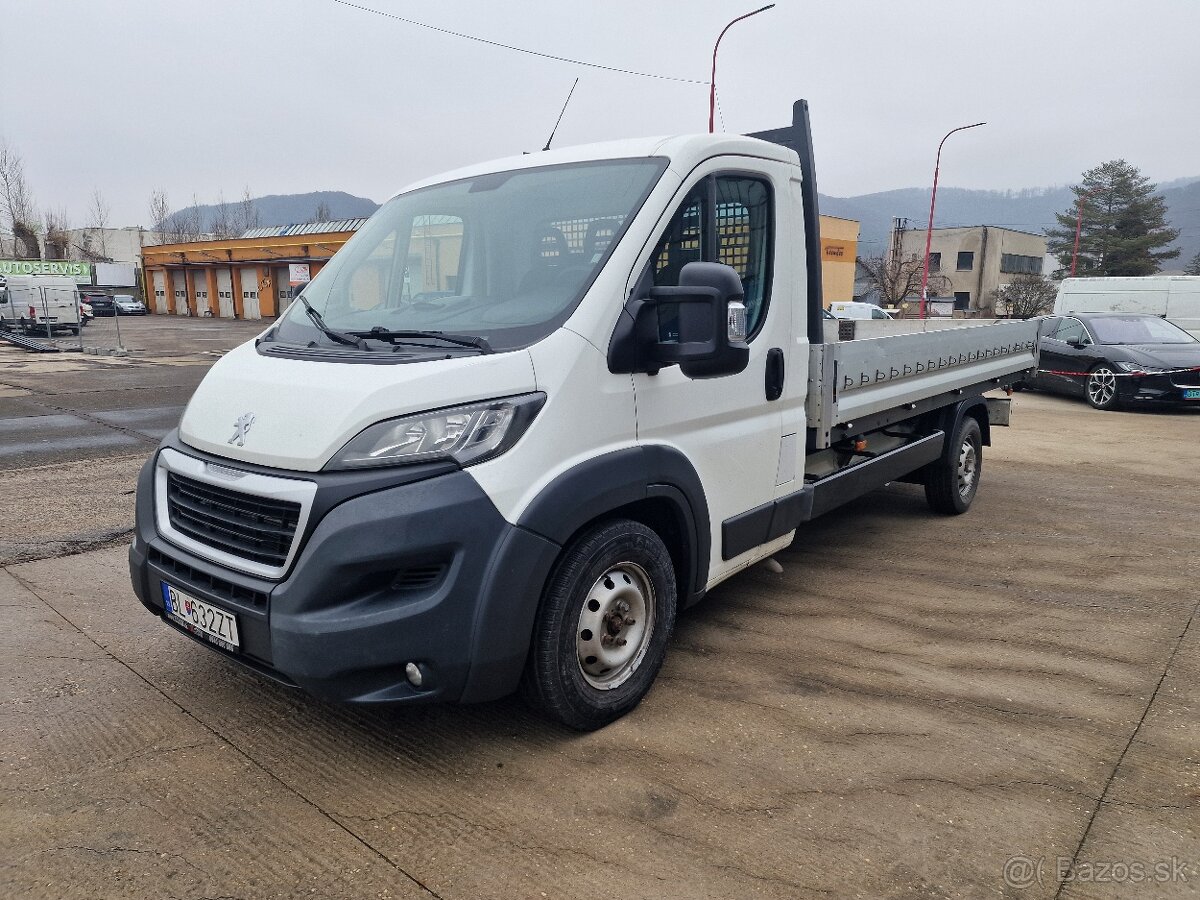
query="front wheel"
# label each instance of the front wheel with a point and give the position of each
(1102, 387)
(950, 486)
(603, 626)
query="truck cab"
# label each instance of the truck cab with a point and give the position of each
(530, 412)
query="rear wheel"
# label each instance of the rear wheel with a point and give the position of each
(1102, 387)
(950, 486)
(602, 630)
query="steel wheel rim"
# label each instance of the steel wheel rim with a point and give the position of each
(615, 626)
(1102, 386)
(968, 463)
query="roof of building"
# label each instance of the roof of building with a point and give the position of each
(973, 227)
(304, 228)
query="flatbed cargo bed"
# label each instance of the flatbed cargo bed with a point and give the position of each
(850, 381)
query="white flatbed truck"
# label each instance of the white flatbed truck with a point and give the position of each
(532, 410)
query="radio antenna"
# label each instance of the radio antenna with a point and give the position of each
(560, 115)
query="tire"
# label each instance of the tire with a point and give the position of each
(1101, 388)
(950, 487)
(615, 582)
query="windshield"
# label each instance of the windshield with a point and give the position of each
(1137, 330)
(504, 257)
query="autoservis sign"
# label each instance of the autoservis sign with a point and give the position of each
(80, 271)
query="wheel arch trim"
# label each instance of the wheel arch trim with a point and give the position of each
(607, 483)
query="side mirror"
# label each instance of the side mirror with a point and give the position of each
(701, 325)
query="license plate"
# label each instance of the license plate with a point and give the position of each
(201, 618)
(1191, 394)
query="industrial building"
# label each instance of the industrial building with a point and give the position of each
(247, 277)
(975, 261)
(839, 249)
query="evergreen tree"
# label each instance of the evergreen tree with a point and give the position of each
(1193, 268)
(1124, 224)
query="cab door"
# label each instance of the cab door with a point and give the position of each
(731, 427)
(1065, 366)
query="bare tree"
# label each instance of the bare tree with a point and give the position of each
(58, 240)
(223, 224)
(160, 217)
(19, 207)
(98, 216)
(1025, 296)
(245, 216)
(897, 279)
(188, 222)
(322, 214)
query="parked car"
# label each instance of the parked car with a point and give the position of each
(852, 309)
(129, 306)
(1112, 359)
(101, 304)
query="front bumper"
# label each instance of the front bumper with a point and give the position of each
(1158, 388)
(423, 571)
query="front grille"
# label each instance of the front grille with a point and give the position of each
(1188, 378)
(254, 528)
(194, 578)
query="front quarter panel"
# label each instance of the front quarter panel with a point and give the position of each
(589, 412)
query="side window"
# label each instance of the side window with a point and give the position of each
(725, 219)
(1070, 330)
(744, 239)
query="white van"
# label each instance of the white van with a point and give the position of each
(40, 304)
(856, 310)
(1173, 297)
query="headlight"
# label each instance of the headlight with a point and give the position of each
(466, 434)
(1134, 368)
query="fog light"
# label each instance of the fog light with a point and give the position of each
(413, 673)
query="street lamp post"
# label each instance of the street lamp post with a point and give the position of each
(1079, 226)
(712, 82)
(932, 202)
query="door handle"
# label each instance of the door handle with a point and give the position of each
(775, 373)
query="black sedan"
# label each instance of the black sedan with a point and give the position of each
(1115, 359)
(101, 304)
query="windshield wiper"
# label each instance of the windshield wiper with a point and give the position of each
(350, 340)
(413, 338)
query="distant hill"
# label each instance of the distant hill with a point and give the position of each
(288, 209)
(1028, 210)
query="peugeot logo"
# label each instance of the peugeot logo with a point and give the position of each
(242, 428)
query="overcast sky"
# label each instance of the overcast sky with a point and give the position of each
(290, 96)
